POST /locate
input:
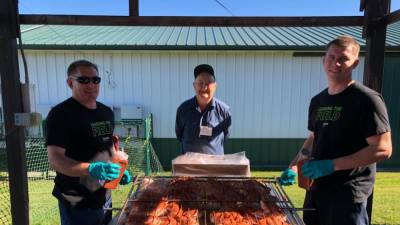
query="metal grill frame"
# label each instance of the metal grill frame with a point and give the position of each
(269, 182)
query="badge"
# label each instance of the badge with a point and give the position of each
(205, 131)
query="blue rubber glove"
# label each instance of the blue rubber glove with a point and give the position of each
(288, 177)
(126, 178)
(104, 171)
(317, 168)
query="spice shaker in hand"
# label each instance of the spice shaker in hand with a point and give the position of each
(303, 156)
(121, 158)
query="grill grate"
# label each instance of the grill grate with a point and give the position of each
(236, 197)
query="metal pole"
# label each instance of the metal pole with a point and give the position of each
(149, 131)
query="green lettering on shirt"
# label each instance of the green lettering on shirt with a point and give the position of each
(328, 113)
(101, 128)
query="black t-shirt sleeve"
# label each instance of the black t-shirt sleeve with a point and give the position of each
(310, 125)
(56, 128)
(375, 119)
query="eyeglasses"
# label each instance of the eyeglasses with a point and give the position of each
(86, 80)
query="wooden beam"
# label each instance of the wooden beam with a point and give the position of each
(362, 5)
(376, 38)
(192, 21)
(133, 7)
(393, 17)
(12, 103)
(9, 25)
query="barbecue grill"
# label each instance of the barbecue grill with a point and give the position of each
(206, 200)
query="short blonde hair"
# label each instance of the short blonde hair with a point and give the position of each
(345, 41)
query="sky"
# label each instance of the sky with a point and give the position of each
(199, 7)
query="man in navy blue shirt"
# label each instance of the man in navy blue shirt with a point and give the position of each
(202, 122)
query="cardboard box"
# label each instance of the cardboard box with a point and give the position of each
(197, 164)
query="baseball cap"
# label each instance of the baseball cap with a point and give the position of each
(203, 68)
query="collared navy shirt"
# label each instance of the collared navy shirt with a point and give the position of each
(187, 126)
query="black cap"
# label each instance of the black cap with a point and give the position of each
(203, 68)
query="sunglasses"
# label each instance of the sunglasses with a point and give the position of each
(86, 80)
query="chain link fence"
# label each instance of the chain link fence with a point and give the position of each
(5, 206)
(43, 208)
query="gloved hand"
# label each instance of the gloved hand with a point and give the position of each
(126, 178)
(104, 171)
(288, 177)
(317, 168)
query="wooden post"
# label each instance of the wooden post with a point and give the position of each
(133, 7)
(375, 33)
(12, 103)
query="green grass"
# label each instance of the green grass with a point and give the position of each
(43, 209)
(5, 208)
(386, 207)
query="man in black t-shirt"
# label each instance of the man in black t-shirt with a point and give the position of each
(349, 133)
(79, 146)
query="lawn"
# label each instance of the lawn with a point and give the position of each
(386, 207)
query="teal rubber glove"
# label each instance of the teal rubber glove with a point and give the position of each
(288, 177)
(317, 168)
(126, 178)
(104, 171)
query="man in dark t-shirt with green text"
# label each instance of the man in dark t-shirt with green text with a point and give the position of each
(349, 133)
(79, 145)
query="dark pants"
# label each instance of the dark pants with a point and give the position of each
(71, 215)
(333, 209)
